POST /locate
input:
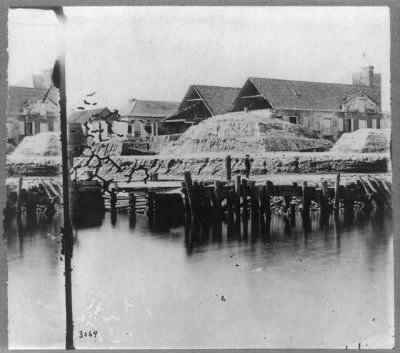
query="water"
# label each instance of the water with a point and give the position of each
(209, 287)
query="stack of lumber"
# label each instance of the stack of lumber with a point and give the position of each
(123, 201)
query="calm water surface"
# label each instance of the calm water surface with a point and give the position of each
(207, 286)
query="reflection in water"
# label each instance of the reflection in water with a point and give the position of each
(141, 284)
(35, 283)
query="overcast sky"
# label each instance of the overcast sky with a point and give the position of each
(155, 53)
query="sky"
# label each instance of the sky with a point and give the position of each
(156, 53)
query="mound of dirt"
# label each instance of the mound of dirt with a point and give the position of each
(44, 144)
(249, 132)
(363, 141)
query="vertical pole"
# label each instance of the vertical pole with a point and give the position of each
(218, 189)
(228, 167)
(19, 196)
(305, 199)
(348, 204)
(59, 80)
(237, 197)
(324, 202)
(268, 199)
(186, 203)
(230, 201)
(254, 201)
(189, 190)
(286, 203)
(337, 187)
(132, 204)
(244, 197)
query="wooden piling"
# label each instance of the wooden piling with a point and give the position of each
(254, 201)
(323, 200)
(245, 211)
(263, 200)
(306, 201)
(286, 203)
(292, 209)
(228, 167)
(348, 204)
(269, 190)
(237, 198)
(19, 199)
(132, 204)
(186, 203)
(337, 187)
(195, 200)
(218, 195)
(113, 201)
(189, 190)
(230, 204)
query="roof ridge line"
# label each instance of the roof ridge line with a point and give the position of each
(214, 86)
(326, 83)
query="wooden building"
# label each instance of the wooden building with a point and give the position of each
(98, 123)
(30, 111)
(145, 117)
(328, 108)
(200, 102)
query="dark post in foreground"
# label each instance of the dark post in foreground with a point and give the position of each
(58, 79)
(228, 167)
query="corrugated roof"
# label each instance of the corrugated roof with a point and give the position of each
(18, 97)
(149, 109)
(83, 116)
(218, 98)
(309, 95)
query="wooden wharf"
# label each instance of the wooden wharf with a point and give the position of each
(244, 199)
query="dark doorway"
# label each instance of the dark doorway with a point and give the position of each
(347, 125)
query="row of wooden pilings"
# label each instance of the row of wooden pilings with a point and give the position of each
(244, 199)
(42, 196)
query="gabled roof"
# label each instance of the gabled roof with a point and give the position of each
(214, 100)
(308, 95)
(18, 97)
(149, 109)
(83, 116)
(218, 98)
(359, 94)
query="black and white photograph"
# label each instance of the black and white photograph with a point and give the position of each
(199, 177)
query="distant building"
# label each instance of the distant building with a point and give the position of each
(97, 123)
(31, 110)
(145, 117)
(200, 102)
(328, 108)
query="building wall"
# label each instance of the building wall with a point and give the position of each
(330, 124)
(17, 126)
(361, 104)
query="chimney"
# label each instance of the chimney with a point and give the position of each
(368, 75)
(365, 77)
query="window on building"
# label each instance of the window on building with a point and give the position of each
(37, 126)
(109, 129)
(293, 119)
(51, 125)
(129, 129)
(29, 129)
